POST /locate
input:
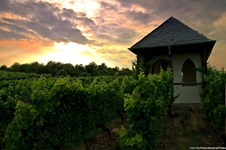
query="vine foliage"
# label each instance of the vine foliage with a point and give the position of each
(145, 107)
(213, 96)
(57, 113)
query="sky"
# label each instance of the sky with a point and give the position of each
(100, 31)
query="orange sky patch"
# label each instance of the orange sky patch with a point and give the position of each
(101, 31)
(21, 51)
(12, 16)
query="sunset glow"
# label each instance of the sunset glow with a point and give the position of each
(70, 53)
(84, 31)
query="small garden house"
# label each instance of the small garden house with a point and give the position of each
(174, 44)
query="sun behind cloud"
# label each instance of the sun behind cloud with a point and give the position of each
(84, 31)
(70, 53)
(90, 7)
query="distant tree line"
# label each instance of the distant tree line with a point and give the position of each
(61, 69)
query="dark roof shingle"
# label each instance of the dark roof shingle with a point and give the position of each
(169, 33)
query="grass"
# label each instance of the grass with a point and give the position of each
(187, 128)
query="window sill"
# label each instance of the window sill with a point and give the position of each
(189, 84)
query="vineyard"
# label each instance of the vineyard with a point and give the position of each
(44, 112)
(213, 97)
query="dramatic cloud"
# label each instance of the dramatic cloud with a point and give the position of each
(205, 16)
(42, 19)
(99, 30)
(142, 17)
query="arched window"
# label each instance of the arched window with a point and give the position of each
(164, 64)
(188, 72)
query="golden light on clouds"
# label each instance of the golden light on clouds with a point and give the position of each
(5, 29)
(83, 31)
(12, 16)
(21, 51)
(89, 7)
(220, 21)
(70, 53)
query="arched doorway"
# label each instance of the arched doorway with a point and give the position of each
(164, 64)
(188, 72)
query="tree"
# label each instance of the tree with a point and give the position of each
(60, 69)
(35, 67)
(102, 69)
(91, 69)
(66, 69)
(15, 67)
(79, 70)
(53, 67)
(3, 67)
(125, 71)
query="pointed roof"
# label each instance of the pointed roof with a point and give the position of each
(172, 32)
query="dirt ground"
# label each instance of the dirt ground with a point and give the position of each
(188, 128)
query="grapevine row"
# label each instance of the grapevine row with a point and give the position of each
(213, 96)
(145, 107)
(53, 113)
